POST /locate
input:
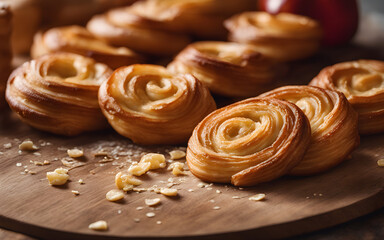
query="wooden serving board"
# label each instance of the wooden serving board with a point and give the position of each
(293, 205)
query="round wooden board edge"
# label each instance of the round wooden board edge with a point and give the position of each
(283, 230)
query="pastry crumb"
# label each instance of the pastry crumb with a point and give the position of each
(150, 214)
(27, 145)
(380, 162)
(7, 145)
(257, 197)
(216, 208)
(99, 225)
(152, 202)
(177, 154)
(114, 195)
(170, 192)
(75, 192)
(58, 177)
(126, 181)
(75, 153)
(159, 222)
(177, 168)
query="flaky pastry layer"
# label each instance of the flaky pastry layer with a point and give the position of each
(284, 37)
(229, 69)
(362, 82)
(58, 93)
(333, 123)
(139, 38)
(249, 142)
(151, 105)
(76, 39)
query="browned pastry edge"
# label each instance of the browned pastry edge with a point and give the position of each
(283, 45)
(369, 108)
(148, 41)
(43, 104)
(163, 128)
(335, 138)
(289, 148)
(251, 75)
(63, 39)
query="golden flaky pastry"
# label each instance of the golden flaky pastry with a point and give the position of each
(164, 27)
(76, 39)
(150, 105)
(362, 82)
(114, 27)
(284, 36)
(333, 123)
(249, 142)
(229, 69)
(5, 49)
(58, 93)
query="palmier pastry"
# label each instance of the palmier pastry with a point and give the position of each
(5, 49)
(201, 18)
(362, 82)
(333, 123)
(114, 27)
(229, 69)
(150, 105)
(78, 40)
(58, 93)
(284, 36)
(249, 142)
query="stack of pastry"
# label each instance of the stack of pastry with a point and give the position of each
(263, 138)
(284, 37)
(164, 27)
(230, 69)
(5, 51)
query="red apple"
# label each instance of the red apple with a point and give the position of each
(339, 18)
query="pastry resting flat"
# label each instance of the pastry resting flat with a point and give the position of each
(150, 105)
(5, 49)
(284, 37)
(249, 142)
(333, 123)
(57, 93)
(76, 39)
(362, 82)
(113, 27)
(229, 69)
(164, 27)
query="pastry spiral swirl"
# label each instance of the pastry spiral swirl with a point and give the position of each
(5, 49)
(229, 69)
(249, 142)
(333, 123)
(76, 39)
(150, 105)
(284, 37)
(362, 82)
(58, 93)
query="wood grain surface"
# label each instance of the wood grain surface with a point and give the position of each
(292, 205)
